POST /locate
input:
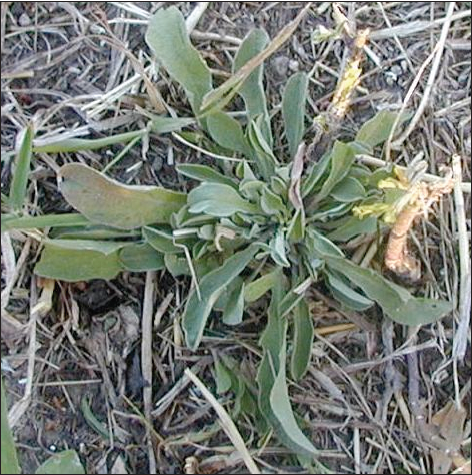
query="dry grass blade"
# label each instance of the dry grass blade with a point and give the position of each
(226, 423)
(460, 337)
(146, 359)
(431, 79)
(224, 93)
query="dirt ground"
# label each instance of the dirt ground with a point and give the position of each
(372, 397)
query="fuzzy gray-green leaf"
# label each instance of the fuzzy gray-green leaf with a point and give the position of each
(211, 285)
(204, 173)
(22, 169)
(106, 201)
(227, 132)
(168, 39)
(75, 260)
(140, 257)
(217, 199)
(293, 110)
(234, 309)
(252, 89)
(303, 333)
(377, 130)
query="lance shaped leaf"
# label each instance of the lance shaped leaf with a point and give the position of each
(168, 39)
(106, 201)
(395, 301)
(252, 89)
(303, 333)
(211, 286)
(293, 110)
(377, 130)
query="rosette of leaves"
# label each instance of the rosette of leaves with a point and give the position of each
(263, 225)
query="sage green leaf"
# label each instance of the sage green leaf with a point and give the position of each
(21, 172)
(331, 209)
(278, 249)
(346, 295)
(75, 260)
(318, 244)
(168, 39)
(296, 228)
(259, 287)
(227, 132)
(288, 430)
(92, 232)
(221, 96)
(293, 110)
(252, 89)
(352, 227)
(342, 157)
(140, 257)
(262, 154)
(217, 199)
(348, 190)
(176, 264)
(56, 220)
(222, 377)
(303, 333)
(211, 285)
(64, 462)
(396, 302)
(271, 203)
(163, 125)
(377, 130)
(161, 240)
(233, 312)
(204, 173)
(9, 456)
(289, 302)
(76, 145)
(105, 201)
(314, 175)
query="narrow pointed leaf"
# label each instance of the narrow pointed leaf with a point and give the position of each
(204, 173)
(259, 287)
(233, 312)
(252, 89)
(342, 157)
(349, 189)
(303, 333)
(22, 169)
(106, 201)
(211, 286)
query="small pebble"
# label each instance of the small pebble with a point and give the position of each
(24, 20)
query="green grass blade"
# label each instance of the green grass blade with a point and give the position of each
(77, 145)
(22, 169)
(52, 220)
